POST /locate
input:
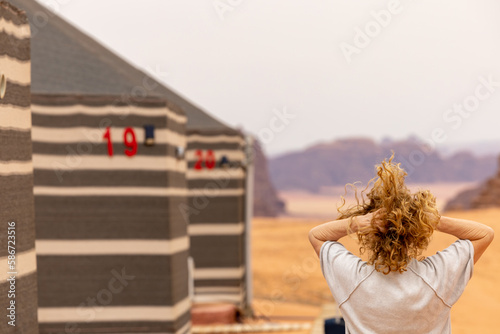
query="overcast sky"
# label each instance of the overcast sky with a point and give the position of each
(332, 65)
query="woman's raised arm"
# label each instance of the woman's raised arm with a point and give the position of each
(334, 230)
(479, 234)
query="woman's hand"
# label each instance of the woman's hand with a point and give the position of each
(334, 230)
(364, 222)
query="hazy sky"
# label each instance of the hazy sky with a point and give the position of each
(410, 69)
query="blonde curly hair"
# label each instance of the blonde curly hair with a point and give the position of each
(410, 219)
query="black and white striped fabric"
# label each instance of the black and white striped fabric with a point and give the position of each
(216, 202)
(112, 249)
(18, 275)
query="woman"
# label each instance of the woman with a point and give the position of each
(396, 291)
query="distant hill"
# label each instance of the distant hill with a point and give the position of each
(485, 195)
(485, 147)
(349, 160)
(266, 200)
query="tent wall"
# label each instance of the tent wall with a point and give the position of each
(112, 246)
(17, 228)
(217, 215)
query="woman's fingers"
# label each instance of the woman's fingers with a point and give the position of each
(373, 219)
(379, 219)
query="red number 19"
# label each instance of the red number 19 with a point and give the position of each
(131, 144)
(128, 139)
(107, 135)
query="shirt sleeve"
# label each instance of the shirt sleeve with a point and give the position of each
(342, 270)
(450, 270)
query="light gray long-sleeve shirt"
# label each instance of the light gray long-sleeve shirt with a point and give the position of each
(417, 301)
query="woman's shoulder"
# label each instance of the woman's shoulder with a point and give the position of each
(461, 250)
(448, 271)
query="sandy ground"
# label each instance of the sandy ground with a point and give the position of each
(288, 279)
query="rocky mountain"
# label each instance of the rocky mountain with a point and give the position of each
(486, 195)
(349, 160)
(266, 200)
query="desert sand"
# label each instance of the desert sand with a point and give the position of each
(288, 280)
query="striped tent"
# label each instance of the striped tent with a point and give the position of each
(217, 213)
(219, 178)
(107, 229)
(110, 175)
(18, 276)
(218, 232)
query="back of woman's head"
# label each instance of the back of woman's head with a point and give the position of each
(410, 217)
